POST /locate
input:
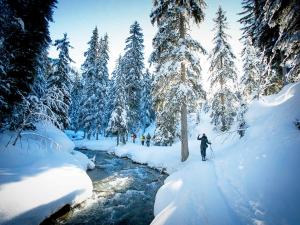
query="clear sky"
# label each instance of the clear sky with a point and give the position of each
(79, 17)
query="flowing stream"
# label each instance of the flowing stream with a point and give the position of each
(124, 193)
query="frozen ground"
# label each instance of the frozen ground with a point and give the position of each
(252, 180)
(39, 175)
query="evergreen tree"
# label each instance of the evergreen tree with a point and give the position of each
(101, 86)
(24, 35)
(165, 128)
(133, 68)
(44, 69)
(223, 75)
(251, 79)
(147, 113)
(176, 85)
(273, 27)
(59, 84)
(89, 74)
(118, 122)
(76, 99)
(112, 89)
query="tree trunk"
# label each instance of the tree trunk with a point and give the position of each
(223, 128)
(118, 138)
(183, 114)
(283, 69)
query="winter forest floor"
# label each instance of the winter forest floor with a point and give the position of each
(252, 180)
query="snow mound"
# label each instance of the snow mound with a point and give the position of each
(40, 174)
(250, 180)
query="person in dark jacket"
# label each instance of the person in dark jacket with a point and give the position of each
(133, 136)
(203, 145)
(148, 138)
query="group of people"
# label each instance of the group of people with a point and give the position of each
(203, 146)
(143, 139)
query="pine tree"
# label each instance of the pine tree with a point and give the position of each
(44, 69)
(76, 99)
(118, 122)
(251, 79)
(223, 75)
(273, 27)
(24, 35)
(112, 89)
(101, 85)
(176, 85)
(59, 84)
(147, 113)
(89, 74)
(284, 18)
(133, 68)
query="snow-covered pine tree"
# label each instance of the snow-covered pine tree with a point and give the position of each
(177, 84)
(224, 102)
(44, 69)
(32, 108)
(252, 71)
(89, 73)
(24, 35)
(112, 89)
(101, 86)
(133, 68)
(76, 99)
(147, 113)
(273, 27)
(165, 128)
(284, 17)
(59, 84)
(118, 122)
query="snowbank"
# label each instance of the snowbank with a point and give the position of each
(103, 144)
(39, 175)
(252, 180)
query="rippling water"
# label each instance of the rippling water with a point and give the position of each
(124, 193)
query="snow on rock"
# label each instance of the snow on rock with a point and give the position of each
(40, 174)
(252, 180)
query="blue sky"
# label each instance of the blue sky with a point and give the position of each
(79, 17)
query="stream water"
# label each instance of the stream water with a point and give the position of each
(124, 193)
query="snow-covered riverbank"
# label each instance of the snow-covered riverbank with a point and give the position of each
(252, 180)
(39, 175)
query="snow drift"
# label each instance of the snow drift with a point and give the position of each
(40, 174)
(252, 180)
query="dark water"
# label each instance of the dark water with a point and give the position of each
(124, 193)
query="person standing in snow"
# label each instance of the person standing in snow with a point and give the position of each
(203, 145)
(143, 139)
(148, 138)
(133, 136)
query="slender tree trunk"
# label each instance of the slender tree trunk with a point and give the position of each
(183, 114)
(283, 69)
(223, 128)
(118, 138)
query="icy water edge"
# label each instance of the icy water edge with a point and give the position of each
(124, 193)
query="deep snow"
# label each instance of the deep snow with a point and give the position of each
(40, 175)
(252, 180)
